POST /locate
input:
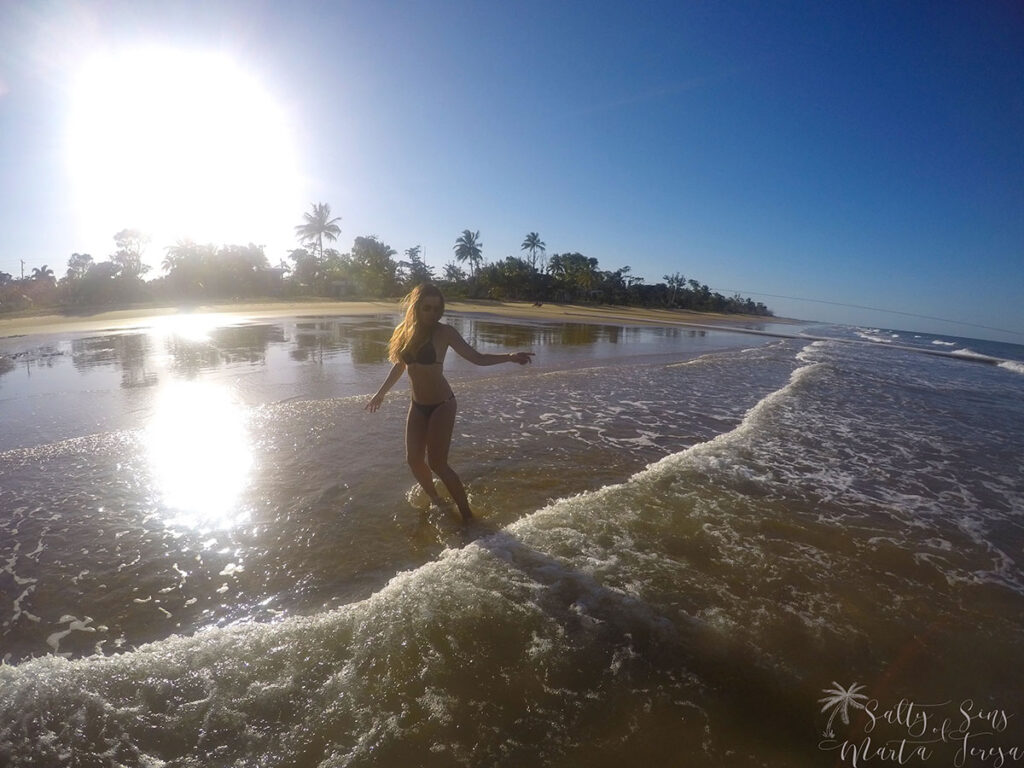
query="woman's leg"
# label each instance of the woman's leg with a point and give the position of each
(415, 452)
(439, 439)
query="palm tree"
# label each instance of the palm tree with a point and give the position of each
(42, 273)
(469, 248)
(533, 243)
(319, 225)
(839, 701)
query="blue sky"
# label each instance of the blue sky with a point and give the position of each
(863, 153)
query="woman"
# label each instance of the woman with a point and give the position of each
(419, 344)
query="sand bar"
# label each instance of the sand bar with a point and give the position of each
(123, 319)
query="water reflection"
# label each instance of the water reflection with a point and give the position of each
(45, 356)
(190, 355)
(132, 353)
(200, 455)
(508, 334)
(365, 341)
(188, 345)
(58, 388)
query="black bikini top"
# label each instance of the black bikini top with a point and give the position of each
(425, 355)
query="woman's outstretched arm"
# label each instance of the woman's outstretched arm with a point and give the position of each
(396, 373)
(459, 344)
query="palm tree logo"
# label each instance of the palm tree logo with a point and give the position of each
(839, 700)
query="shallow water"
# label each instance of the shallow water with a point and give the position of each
(685, 538)
(183, 476)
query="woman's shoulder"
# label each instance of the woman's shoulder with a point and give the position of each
(446, 335)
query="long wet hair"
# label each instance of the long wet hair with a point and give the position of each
(410, 335)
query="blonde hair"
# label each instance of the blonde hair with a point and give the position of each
(409, 335)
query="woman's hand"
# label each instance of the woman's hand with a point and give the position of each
(523, 358)
(393, 376)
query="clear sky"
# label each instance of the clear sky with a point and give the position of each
(860, 153)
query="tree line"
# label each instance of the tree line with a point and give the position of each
(370, 269)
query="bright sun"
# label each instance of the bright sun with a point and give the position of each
(180, 144)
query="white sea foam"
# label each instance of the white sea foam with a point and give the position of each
(970, 354)
(1012, 365)
(74, 625)
(941, 343)
(874, 337)
(806, 354)
(382, 679)
(749, 422)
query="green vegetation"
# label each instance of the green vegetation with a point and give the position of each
(196, 273)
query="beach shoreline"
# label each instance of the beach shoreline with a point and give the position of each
(123, 319)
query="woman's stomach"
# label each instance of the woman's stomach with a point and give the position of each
(429, 386)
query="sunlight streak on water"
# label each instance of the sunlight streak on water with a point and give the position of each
(194, 328)
(200, 453)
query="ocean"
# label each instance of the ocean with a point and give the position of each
(782, 546)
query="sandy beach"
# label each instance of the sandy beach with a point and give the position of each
(142, 317)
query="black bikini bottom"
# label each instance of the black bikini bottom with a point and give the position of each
(427, 409)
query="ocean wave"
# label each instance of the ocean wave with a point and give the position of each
(1012, 365)
(874, 338)
(969, 354)
(942, 343)
(498, 632)
(748, 424)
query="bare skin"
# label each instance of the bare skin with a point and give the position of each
(428, 438)
(431, 438)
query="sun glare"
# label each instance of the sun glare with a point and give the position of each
(180, 144)
(189, 327)
(200, 455)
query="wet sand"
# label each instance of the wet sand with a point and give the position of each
(242, 312)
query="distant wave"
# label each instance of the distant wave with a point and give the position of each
(1012, 365)
(944, 343)
(970, 354)
(871, 336)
